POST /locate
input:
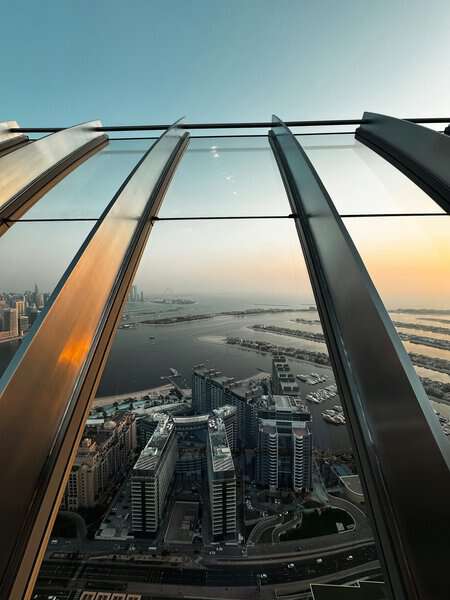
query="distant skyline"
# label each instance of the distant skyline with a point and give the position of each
(262, 261)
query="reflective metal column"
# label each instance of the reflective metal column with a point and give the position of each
(402, 452)
(46, 391)
(27, 170)
(420, 153)
(9, 138)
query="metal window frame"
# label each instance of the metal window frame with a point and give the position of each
(233, 125)
(420, 153)
(399, 445)
(28, 171)
(9, 137)
(43, 418)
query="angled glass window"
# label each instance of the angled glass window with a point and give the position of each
(408, 260)
(34, 256)
(360, 181)
(222, 177)
(35, 251)
(218, 353)
(86, 191)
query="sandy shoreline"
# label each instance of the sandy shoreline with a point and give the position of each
(138, 395)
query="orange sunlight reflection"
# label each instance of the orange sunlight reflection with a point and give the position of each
(75, 351)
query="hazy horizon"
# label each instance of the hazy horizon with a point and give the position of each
(232, 61)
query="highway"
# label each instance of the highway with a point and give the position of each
(70, 574)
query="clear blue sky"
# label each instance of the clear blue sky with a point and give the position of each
(64, 62)
(144, 61)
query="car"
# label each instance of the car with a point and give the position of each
(290, 566)
(263, 575)
(53, 541)
(319, 560)
(299, 548)
(349, 557)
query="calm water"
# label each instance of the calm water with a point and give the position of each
(137, 362)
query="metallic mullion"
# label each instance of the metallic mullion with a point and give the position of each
(29, 171)
(8, 138)
(45, 392)
(401, 450)
(420, 153)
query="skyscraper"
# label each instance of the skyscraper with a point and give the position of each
(151, 479)
(10, 322)
(19, 305)
(221, 482)
(284, 458)
(212, 389)
(283, 381)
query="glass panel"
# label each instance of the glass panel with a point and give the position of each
(34, 256)
(409, 262)
(360, 181)
(226, 177)
(86, 191)
(220, 372)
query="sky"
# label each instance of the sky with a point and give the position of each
(152, 62)
(147, 61)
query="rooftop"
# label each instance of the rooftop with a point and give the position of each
(289, 403)
(221, 458)
(154, 450)
(225, 411)
(244, 388)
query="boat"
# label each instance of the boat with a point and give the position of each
(330, 416)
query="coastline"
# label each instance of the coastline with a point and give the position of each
(100, 401)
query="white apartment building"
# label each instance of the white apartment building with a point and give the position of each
(152, 475)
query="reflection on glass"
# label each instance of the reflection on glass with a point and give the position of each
(226, 177)
(33, 258)
(409, 263)
(86, 191)
(360, 181)
(217, 426)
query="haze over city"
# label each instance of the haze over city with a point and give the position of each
(178, 419)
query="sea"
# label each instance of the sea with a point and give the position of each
(142, 356)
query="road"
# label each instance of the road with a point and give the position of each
(70, 574)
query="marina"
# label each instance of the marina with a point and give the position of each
(141, 355)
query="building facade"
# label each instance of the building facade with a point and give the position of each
(211, 390)
(221, 482)
(283, 380)
(284, 456)
(104, 455)
(151, 479)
